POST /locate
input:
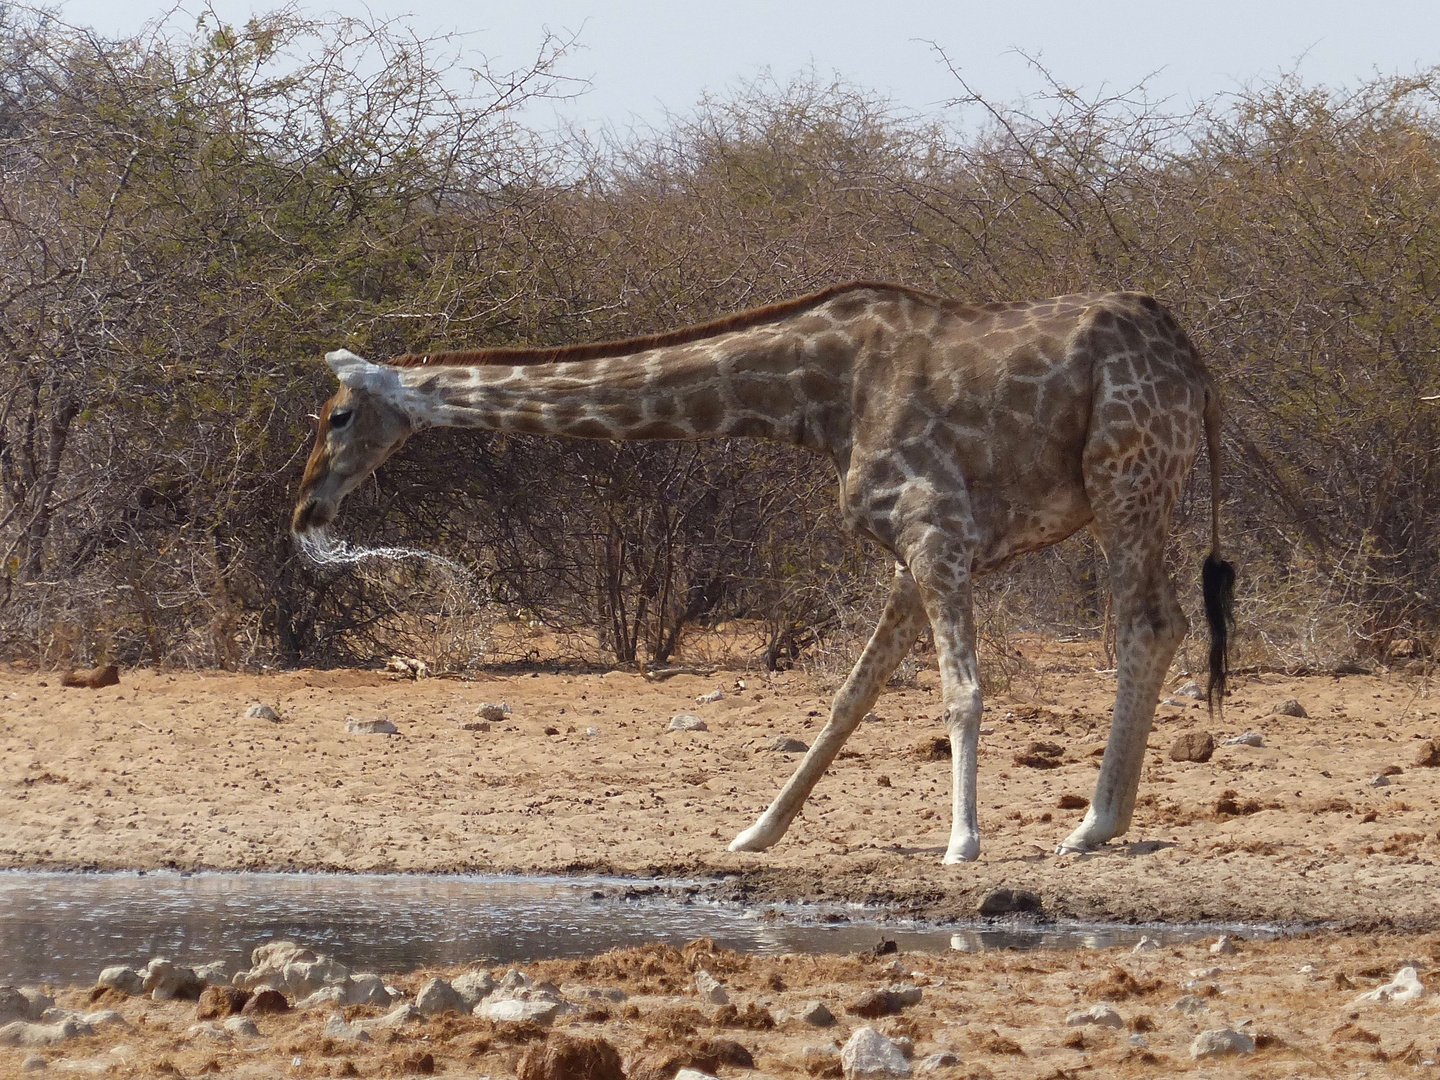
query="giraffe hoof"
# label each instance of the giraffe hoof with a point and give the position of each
(754, 838)
(962, 851)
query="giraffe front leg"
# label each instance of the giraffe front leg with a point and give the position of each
(899, 626)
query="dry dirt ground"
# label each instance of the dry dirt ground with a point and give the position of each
(164, 770)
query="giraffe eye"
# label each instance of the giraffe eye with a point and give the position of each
(340, 417)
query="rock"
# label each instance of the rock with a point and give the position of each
(1145, 944)
(258, 710)
(1249, 738)
(1223, 947)
(784, 744)
(1379, 780)
(1099, 1014)
(568, 1057)
(438, 996)
(221, 1001)
(396, 1017)
(1427, 756)
(476, 725)
(1008, 901)
(474, 987)
(381, 725)
(493, 711)
(34, 1063)
(94, 678)
(875, 1003)
(516, 1011)
(292, 969)
(336, 1028)
(904, 1044)
(25, 1033)
(514, 979)
(1189, 1004)
(943, 1059)
(1071, 802)
(207, 1031)
(241, 1027)
(710, 989)
(694, 1074)
(213, 973)
(122, 979)
(265, 1002)
(1290, 707)
(667, 1064)
(1041, 755)
(1217, 1042)
(710, 698)
(1191, 690)
(580, 992)
(728, 1052)
(1401, 990)
(1196, 746)
(15, 1006)
(104, 1018)
(816, 1014)
(867, 1053)
(165, 980)
(687, 722)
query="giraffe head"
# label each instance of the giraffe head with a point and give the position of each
(358, 428)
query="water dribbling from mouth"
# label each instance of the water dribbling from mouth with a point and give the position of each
(325, 550)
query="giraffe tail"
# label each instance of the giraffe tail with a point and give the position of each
(1217, 577)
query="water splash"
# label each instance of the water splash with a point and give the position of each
(325, 550)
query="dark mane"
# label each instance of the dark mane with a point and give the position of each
(599, 350)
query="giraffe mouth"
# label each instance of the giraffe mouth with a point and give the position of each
(310, 516)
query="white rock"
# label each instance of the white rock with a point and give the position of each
(1220, 1041)
(103, 1018)
(337, 1028)
(710, 989)
(260, 711)
(295, 971)
(240, 1026)
(694, 1074)
(326, 996)
(207, 1031)
(473, 988)
(687, 722)
(1098, 1013)
(166, 980)
(514, 1010)
(1249, 738)
(24, 1033)
(213, 973)
(1191, 690)
(817, 1014)
(23, 1003)
(580, 992)
(1189, 1004)
(592, 731)
(396, 1017)
(1139, 1041)
(125, 980)
(905, 1045)
(867, 1053)
(367, 989)
(710, 698)
(942, 1059)
(1380, 780)
(1145, 944)
(381, 725)
(1223, 947)
(494, 711)
(1205, 973)
(1403, 989)
(514, 979)
(438, 996)
(34, 1063)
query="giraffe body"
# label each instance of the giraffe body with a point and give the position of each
(962, 435)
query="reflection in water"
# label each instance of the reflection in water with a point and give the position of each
(62, 928)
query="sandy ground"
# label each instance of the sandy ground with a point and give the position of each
(164, 770)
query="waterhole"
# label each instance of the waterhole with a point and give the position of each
(64, 927)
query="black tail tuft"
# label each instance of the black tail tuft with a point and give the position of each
(1217, 582)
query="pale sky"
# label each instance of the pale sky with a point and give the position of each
(644, 57)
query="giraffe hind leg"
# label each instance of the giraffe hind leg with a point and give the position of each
(898, 628)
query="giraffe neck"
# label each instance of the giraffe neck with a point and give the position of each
(778, 382)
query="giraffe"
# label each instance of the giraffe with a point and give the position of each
(963, 435)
